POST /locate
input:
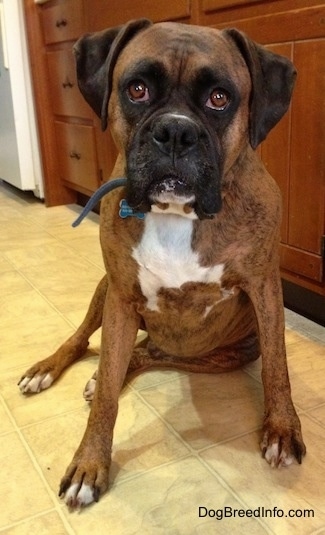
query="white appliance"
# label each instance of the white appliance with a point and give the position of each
(20, 163)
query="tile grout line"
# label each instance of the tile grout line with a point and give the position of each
(56, 310)
(194, 451)
(196, 454)
(229, 489)
(25, 519)
(38, 469)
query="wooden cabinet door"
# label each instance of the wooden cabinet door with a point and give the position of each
(294, 154)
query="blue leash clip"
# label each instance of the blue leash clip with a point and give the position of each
(127, 211)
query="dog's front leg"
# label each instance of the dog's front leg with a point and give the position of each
(87, 476)
(282, 439)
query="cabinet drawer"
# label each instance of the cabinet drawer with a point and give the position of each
(77, 155)
(62, 22)
(65, 95)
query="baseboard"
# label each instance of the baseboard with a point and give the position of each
(304, 302)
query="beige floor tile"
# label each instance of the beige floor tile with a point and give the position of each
(151, 378)
(89, 248)
(23, 493)
(70, 272)
(31, 340)
(318, 414)
(23, 233)
(68, 285)
(47, 524)
(308, 388)
(12, 283)
(4, 265)
(296, 487)
(205, 409)
(29, 304)
(141, 441)
(60, 218)
(54, 441)
(165, 501)
(56, 252)
(6, 425)
(64, 395)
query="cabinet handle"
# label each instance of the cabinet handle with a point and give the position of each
(67, 84)
(75, 155)
(60, 23)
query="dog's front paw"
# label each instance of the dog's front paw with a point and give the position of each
(84, 482)
(282, 443)
(36, 379)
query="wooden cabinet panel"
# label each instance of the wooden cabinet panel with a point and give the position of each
(275, 151)
(262, 22)
(294, 155)
(77, 158)
(63, 21)
(307, 163)
(65, 95)
(106, 14)
(212, 5)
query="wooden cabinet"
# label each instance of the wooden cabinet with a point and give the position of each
(294, 152)
(73, 121)
(77, 156)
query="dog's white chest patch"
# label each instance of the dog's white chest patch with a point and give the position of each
(166, 259)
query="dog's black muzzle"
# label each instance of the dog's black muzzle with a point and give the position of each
(174, 156)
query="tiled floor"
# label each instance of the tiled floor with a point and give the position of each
(181, 442)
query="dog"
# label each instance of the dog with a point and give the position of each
(199, 270)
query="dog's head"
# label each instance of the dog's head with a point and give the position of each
(183, 103)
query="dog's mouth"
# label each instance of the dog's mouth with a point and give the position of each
(173, 194)
(171, 190)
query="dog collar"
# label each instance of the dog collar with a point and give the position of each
(125, 209)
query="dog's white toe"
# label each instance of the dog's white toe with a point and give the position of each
(75, 498)
(33, 385)
(276, 458)
(89, 389)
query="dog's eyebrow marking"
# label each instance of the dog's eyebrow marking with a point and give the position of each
(146, 68)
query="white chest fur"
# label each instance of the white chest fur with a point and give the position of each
(166, 258)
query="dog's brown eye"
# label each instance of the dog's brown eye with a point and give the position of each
(218, 100)
(138, 92)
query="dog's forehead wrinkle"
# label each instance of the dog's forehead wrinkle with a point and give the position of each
(176, 45)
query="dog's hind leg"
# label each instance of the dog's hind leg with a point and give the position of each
(219, 360)
(146, 355)
(45, 372)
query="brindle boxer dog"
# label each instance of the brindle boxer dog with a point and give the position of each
(200, 271)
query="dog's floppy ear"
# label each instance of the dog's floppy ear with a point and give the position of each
(273, 79)
(96, 55)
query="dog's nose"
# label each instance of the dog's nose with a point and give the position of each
(175, 134)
